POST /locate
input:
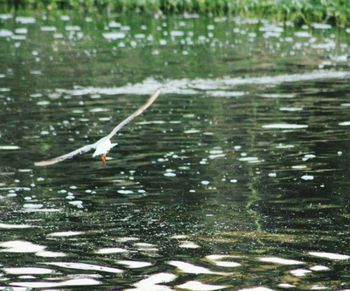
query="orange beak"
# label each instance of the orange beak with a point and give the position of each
(104, 159)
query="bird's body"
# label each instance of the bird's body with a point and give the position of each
(103, 145)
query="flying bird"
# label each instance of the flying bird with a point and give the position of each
(103, 145)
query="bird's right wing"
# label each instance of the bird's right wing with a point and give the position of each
(148, 103)
(70, 155)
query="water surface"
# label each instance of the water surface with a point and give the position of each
(236, 178)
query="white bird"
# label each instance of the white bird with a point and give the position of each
(103, 145)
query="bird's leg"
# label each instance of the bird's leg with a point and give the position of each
(104, 159)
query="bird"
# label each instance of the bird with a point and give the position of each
(104, 144)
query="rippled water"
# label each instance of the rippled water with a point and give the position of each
(237, 178)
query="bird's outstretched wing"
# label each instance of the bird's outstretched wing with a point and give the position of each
(89, 147)
(70, 155)
(149, 102)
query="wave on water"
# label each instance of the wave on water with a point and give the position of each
(212, 87)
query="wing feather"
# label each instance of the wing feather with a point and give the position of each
(149, 102)
(70, 155)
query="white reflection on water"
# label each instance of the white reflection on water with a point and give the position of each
(307, 177)
(49, 254)
(199, 286)
(281, 261)
(153, 282)
(83, 266)
(6, 33)
(9, 147)
(25, 19)
(250, 159)
(19, 246)
(319, 268)
(113, 35)
(291, 109)
(218, 260)
(65, 233)
(179, 236)
(300, 272)
(14, 226)
(284, 126)
(147, 248)
(127, 239)
(331, 256)
(189, 245)
(111, 251)
(134, 264)
(50, 284)
(256, 289)
(72, 28)
(345, 123)
(28, 270)
(193, 269)
(21, 30)
(48, 28)
(277, 95)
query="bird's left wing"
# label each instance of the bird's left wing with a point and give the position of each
(70, 155)
(148, 103)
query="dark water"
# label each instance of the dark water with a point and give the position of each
(237, 178)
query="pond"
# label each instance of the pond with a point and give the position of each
(237, 177)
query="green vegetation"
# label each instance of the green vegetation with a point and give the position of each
(299, 11)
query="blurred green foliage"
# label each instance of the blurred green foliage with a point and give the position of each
(299, 11)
